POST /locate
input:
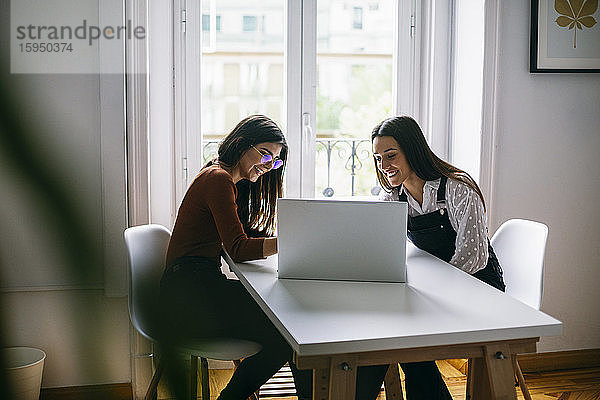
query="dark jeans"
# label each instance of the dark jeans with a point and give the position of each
(199, 301)
(423, 381)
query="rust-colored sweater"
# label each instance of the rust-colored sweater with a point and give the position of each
(208, 217)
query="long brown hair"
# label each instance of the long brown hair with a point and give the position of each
(419, 156)
(256, 201)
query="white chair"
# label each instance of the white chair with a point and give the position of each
(520, 246)
(147, 248)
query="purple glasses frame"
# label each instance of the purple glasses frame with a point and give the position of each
(267, 158)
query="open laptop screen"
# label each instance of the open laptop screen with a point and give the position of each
(342, 240)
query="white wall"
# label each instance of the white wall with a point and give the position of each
(85, 334)
(547, 169)
(43, 303)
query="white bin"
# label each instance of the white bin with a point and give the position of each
(24, 371)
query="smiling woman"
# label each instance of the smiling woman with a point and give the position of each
(256, 198)
(230, 205)
(446, 218)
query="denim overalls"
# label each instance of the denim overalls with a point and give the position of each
(433, 233)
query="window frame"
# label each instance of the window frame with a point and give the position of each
(487, 163)
(434, 33)
(422, 27)
(301, 118)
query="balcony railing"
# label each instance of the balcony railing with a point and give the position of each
(344, 166)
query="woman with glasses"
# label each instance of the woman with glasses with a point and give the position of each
(230, 205)
(446, 217)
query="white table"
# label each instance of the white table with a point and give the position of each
(442, 312)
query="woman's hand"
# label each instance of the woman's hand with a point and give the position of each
(270, 246)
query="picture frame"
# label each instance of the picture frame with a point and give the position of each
(563, 39)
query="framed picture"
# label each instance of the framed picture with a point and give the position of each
(565, 36)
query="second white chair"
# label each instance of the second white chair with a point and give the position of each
(520, 246)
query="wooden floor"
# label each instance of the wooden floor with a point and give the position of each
(580, 384)
(574, 384)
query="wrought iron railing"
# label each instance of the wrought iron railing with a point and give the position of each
(344, 166)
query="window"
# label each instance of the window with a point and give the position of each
(242, 70)
(326, 72)
(354, 93)
(250, 23)
(467, 86)
(205, 22)
(357, 18)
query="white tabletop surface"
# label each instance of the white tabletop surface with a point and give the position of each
(439, 305)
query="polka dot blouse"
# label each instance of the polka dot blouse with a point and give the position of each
(467, 217)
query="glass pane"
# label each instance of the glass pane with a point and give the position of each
(242, 65)
(354, 91)
(468, 85)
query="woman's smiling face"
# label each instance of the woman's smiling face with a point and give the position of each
(390, 160)
(250, 165)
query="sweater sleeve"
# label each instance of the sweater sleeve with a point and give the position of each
(220, 198)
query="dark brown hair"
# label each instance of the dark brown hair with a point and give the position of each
(419, 156)
(256, 201)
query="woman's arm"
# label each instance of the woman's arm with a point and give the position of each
(220, 198)
(270, 246)
(467, 217)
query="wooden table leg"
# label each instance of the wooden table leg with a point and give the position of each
(151, 392)
(393, 383)
(205, 383)
(520, 378)
(480, 384)
(500, 372)
(469, 390)
(193, 377)
(320, 384)
(342, 377)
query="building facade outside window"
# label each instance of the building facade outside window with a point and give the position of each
(206, 23)
(356, 76)
(244, 74)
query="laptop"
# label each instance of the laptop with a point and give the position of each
(342, 240)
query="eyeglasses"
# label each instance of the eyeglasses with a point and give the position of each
(266, 159)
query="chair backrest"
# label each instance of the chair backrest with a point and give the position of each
(520, 246)
(147, 249)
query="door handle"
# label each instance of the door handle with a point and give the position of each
(306, 140)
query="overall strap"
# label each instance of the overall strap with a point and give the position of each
(441, 192)
(401, 195)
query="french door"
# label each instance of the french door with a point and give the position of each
(342, 76)
(327, 71)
